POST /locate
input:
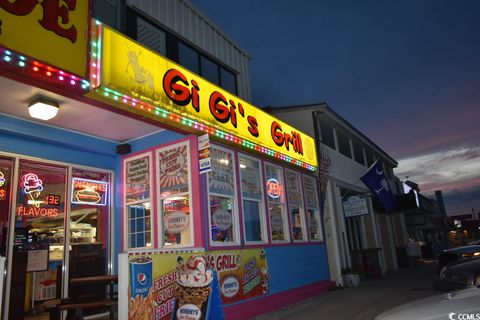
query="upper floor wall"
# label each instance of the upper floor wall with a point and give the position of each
(201, 46)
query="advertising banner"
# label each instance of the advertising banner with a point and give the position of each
(193, 285)
(28, 26)
(138, 74)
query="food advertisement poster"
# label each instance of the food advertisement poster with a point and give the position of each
(173, 169)
(137, 179)
(184, 285)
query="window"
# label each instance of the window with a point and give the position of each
(295, 205)
(358, 153)
(173, 180)
(327, 135)
(228, 80)
(252, 199)
(137, 182)
(277, 209)
(151, 36)
(343, 144)
(370, 158)
(209, 70)
(223, 218)
(188, 58)
(313, 209)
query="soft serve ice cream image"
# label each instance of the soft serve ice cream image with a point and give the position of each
(193, 288)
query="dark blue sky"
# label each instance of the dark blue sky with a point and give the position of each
(406, 73)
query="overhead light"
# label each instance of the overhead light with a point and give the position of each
(43, 109)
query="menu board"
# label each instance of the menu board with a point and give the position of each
(294, 189)
(137, 179)
(310, 192)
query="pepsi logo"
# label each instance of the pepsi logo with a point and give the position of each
(142, 278)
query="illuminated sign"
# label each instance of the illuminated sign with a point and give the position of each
(91, 192)
(274, 188)
(138, 80)
(2, 179)
(32, 186)
(3, 192)
(28, 25)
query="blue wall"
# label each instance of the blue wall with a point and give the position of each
(47, 142)
(291, 267)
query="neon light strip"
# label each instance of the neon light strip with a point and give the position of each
(160, 112)
(44, 70)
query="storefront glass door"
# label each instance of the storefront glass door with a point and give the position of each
(39, 236)
(60, 231)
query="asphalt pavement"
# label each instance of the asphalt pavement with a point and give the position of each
(366, 301)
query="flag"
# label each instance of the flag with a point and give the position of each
(375, 180)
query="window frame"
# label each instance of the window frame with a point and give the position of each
(261, 202)
(316, 210)
(300, 207)
(126, 242)
(285, 212)
(159, 212)
(235, 206)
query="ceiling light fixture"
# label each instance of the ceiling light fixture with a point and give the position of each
(43, 109)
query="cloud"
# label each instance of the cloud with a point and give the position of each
(456, 172)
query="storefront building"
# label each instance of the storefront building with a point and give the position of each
(359, 234)
(146, 161)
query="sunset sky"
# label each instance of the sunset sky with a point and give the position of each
(405, 73)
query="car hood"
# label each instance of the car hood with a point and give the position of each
(438, 307)
(465, 249)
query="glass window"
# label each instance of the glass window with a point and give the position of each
(343, 144)
(223, 217)
(151, 36)
(173, 174)
(228, 80)
(295, 203)
(188, 58)
(313, 208)
(252, 199)
(327, 135)
(277, 209)
(209, 70)
(39, 232)
(137, 182)
(358, 153)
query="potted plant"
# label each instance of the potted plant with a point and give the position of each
(351, 277)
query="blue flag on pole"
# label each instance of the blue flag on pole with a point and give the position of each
(375, 180)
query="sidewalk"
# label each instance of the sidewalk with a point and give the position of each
(368, 300)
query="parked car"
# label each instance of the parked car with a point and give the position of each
(451, 255)
(459, 275)
(462, 304)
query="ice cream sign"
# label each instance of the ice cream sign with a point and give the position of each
(90, 192)
(38, 205)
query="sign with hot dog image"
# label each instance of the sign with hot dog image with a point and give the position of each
(90, 192)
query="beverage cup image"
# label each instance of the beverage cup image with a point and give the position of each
(140, 276)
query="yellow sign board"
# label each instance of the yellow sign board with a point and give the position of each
(135, 71)
(53, 31)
